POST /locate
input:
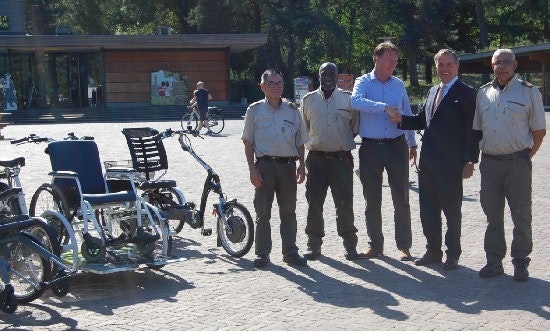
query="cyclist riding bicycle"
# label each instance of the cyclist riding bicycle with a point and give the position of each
(201, 96)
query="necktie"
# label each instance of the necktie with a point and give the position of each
(439, 95)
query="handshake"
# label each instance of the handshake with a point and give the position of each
(395, 115)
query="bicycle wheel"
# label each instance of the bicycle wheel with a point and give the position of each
(49, 198)
(237, 241)
(189, 120)
(216, 123)
(11, 204)
(26, 265)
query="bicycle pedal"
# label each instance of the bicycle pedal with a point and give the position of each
(207, 232)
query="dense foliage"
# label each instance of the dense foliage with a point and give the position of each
(305, 33)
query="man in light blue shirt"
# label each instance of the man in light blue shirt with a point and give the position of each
(377, 95)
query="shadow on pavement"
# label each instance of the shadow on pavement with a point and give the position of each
(378, 288)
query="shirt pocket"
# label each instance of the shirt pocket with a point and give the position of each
(289, 131)
(263, 130)
(343, 119)
(518, 111)
(485, 111)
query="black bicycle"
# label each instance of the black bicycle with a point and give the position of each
(213, 116)
(235, 227)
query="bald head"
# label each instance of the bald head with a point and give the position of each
(328, 76)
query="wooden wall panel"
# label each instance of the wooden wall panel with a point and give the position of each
(128, 73)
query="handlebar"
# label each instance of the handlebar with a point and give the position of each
(33, 138)
(169, 132)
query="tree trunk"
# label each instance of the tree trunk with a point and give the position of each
(39, 57)
(483, 34)
(42, 77)
(412, 49)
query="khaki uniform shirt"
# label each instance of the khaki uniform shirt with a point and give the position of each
(274, 132)
(331, 123)
(507, 117)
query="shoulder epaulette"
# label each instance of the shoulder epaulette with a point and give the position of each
(527, 84)
(485, 85)
(308, 94)
(254, 104)
(293, 106)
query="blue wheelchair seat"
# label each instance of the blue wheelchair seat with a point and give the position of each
(82, 157)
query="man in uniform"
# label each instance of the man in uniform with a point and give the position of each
(510, 115)
(274, 133)
(332, 125)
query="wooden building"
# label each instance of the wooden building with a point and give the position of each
(118, 68)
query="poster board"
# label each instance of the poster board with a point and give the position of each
(168, 88)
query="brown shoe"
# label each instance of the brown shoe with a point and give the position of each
(405, 255)
(372, 253)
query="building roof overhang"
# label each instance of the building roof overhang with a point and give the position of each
(236, 43)
(530, 59)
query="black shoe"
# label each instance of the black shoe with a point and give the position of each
(491, 270)
(520, 268)
(312, 254)
(352, 255)
(428, 258)
(450, 264)
(261, 261)
(295, 259)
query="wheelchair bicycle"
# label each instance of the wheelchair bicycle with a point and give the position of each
(103, 226)
(235, 227)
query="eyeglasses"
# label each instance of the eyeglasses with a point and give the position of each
(502, 63)
(279, 84)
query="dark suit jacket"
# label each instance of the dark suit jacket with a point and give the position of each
(449, 140)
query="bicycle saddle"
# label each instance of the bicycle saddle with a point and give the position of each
(19, 161)
(149, 185)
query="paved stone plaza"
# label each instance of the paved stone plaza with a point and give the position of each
(213, 291)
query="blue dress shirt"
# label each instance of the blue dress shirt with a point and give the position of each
(370, 97)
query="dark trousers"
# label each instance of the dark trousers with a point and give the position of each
(280, 180)
(441, 192)
(510, 180)
(373, 159)
(336, 173)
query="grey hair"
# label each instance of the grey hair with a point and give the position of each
(446, 51)
(504, 51)
(270, 72)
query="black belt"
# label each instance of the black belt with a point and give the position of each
(332, 154)
(279, 160)
(382, 140)
(508, 157)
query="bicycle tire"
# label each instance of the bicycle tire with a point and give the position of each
(165, 199)
(216, 123)
(238, 242)
(189, 120)
(48, 197)
(31, 265)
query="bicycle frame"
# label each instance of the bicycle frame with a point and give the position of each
(12, 177)
(212, 183)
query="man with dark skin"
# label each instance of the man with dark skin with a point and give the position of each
(332, 124)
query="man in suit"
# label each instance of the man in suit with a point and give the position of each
(450, 148)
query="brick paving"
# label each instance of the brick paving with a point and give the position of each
(213, 291)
